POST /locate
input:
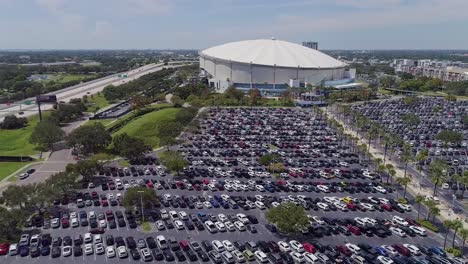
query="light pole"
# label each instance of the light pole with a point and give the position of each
(141, 204)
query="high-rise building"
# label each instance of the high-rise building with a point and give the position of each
(310, 44)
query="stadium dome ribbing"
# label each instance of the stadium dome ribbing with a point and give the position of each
(268, 64)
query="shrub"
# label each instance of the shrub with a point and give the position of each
(402, 200)
(455, 251)
(428, 225)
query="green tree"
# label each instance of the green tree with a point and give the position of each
(457, 224)
(135, 196)
(269, 158)
(419, 199)
(129, 147)
(411, 120)
(13, 122)
(404, 181)
(89, 139)
(86, 168)
(421, 156)
(288, 217)
(254, 96)
(10, 222)
(46, 134)
(449, 136)
(174, 161)
(437, 173)
(406, 156)
(464, 235)
(139, 102)
(448, 224)
(177, 101)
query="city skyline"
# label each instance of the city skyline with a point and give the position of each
(186, 24)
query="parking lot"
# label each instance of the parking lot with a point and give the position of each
(224, 193)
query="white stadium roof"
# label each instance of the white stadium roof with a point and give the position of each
(272, 52)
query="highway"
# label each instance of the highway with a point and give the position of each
(78, 91)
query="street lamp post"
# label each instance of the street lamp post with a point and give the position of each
(141, 204)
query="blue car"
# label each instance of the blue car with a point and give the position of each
(438, 251)
(381, 251)
(215, 204)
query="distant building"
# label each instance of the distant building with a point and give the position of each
(444, 70)
(310, 44)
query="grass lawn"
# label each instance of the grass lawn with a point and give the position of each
(15, 142)
(63, 78)
(105, 122)
(146, 227)
(97, 100)
(7, 168)
(144, 127)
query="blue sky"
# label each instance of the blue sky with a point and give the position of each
(197, 24)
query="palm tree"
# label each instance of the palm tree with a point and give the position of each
(448, 224)
(377, 162)
(404, 181)
(372, 134)
(435, 211)
(430, 204)
(457, 224)
(406, 156)
(437, 171)
(420, 157)
(461, 179)
(464, 235)
(390, 171)
(380, 170)
(419, 199)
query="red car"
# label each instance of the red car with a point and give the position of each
(344, 250)
(94, 195)
(65, 223)
(150, 184)
(197, 187)
(98, 230)
(402, 250)
(184, 244)
(309, 247)
(4, 248)
(104, 203)
(351, 206)
(412, 222)
(354, 229)
(386, 207)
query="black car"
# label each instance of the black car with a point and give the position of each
(151, 242)
(24, 251)
(203, 256)
(45, 251)
(119, 241)
(207, 245)
(57, 242)
(56, 252)
(77, 251)
(180, 256)
(168, 255)
(30, 171)
(135, 254)
(287, 258)
(157, 254)
(271, 228)
(35, 252)
(109, 240)
(131, 244)
(191, 255)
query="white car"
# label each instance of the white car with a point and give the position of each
(183, 215)
(99, 248)
(397, 231)
(222, 218)
(102, 223)
(413, 249)
(390, 250)
(399, 220)
(74, 222)
(240, 226)
(297, 246)
(238, 256)
(217, 245)
(110, 196)
(229, 226)
(283, 246)
(297, 257)
(368, 206)
(353, 248)
(342, 207)
(174, 215)
(371, 221)
(380, 189)
(220, 226)
(310, 258)
(260, 256)
(210, 226)
(405, 207)
(88, 238)
(88, 249)
(162, 242)
(122, 252)
(23, 176)
(179, 225)
(228, 245)
(260, 205)
(260, 188)
(13, 250)
(243, 218)
(199, 205)
(419, 230)
(323, 206)
(385, 260)
(66, 251)
(318, 220)
(97, 239)
(323, 188)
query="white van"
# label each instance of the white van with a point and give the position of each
(310, 258)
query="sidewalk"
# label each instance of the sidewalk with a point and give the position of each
(446, 212)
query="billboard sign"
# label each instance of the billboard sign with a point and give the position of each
(46, 98)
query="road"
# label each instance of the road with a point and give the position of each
(80, 90)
